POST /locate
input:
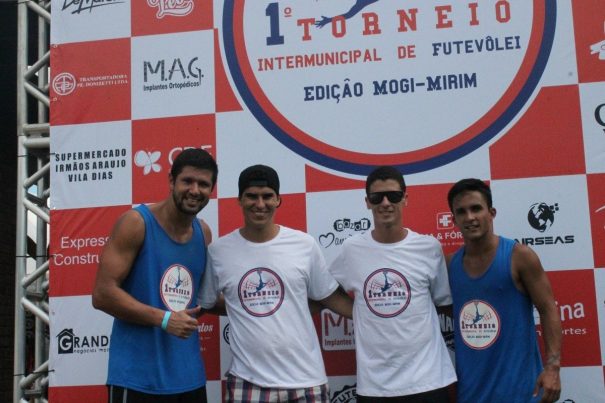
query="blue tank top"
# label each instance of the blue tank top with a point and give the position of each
(166, 274)
(497, 356)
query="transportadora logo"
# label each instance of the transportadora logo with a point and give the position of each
(416, 84)
(64, 83)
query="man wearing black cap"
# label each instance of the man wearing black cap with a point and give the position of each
(266, 273)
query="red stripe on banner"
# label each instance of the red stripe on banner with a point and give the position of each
(589, 34)
(225, 98)
(319, 181)
(580, 346)
(596, 201)
(536, 146)
(78, 394)
(77, 238)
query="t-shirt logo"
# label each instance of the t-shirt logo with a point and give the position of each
(176, 288)
(387, 293)
(479, 324)
(261, 292)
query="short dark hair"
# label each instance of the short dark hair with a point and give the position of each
(258, 175)
(383, 173)
(197, 158)
(469, 185)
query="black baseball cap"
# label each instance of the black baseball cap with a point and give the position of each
(258, 175)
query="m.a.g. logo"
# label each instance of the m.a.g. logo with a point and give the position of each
(310, 44)
(337, 332)
(541, 217)
(171, 74)
(70, 343)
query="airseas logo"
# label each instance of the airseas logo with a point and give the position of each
(541, 217)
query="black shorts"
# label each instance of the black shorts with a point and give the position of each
(118, 394)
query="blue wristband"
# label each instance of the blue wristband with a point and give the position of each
(165, 320)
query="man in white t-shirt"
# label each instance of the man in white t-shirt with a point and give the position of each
(266, 274)
(397, 276)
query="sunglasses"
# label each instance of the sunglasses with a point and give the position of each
(392, 196)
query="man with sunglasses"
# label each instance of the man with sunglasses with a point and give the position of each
(397, 276)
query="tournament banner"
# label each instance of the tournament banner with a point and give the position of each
(508, 91)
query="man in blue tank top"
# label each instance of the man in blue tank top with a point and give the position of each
(495, 284)
(149, 274)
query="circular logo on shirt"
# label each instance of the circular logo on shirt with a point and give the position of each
(176, 288)
(261, 292)
(387, 293)
(479, 324)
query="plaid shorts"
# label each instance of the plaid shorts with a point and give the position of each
(242, 391)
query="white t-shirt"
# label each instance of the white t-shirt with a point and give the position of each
(266, 287)
(399, 347)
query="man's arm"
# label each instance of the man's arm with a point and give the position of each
(115, 264)
(339, 302)
(531, 278)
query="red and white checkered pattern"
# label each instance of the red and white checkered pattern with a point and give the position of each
(135, 82)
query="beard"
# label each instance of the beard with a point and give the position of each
(183, 207)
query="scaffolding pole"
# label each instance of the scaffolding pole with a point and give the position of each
(31, 355)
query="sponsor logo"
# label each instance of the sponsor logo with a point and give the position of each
(148, 161)
(175, 74)
(79, 6)
(64, 84)
(348, 394)
(261, 292)
(387, 293)
(74, 250)
(446, 323)
(226, 332)
(479, 324)
(445, 220)
(337, 332)
(310, 44)
(598, 48)
(90, 165)
(343, 228)
(176, 288)
(599, 115)
(567, 313)
(541, 217)
(70, 343)
(176, 8)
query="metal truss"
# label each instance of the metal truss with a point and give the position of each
(31, 358)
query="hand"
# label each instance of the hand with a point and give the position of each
(550, 382)
(183, 323)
